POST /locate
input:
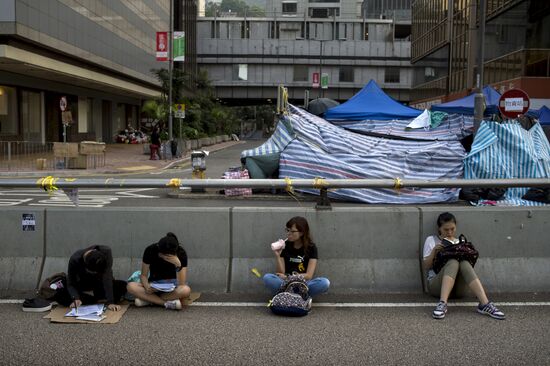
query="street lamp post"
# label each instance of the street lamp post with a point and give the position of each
(479, 99)
(320, 68)
(170, 67)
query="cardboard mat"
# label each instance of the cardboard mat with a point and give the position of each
(57, 315)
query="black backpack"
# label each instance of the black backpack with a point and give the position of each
(54, 288)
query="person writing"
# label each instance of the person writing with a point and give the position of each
(298, 256)
(442, 283)
(90, 269)
(165, 263)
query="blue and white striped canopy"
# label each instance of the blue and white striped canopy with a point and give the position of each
(311, 147)
(507, 150)
(453, 127)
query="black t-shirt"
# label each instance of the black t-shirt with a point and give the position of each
(296, 260)
(159, 269)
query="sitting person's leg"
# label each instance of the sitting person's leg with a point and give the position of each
(180, 293)
(272, 282)
(318, 285)
(441, 285)
(137, 289)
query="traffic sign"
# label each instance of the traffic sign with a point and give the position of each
(63, 104)
(513, 103)
(179, 110)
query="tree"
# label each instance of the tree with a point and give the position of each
(204, 114)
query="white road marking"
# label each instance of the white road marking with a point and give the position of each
(346, 304)
(60, 199)
(13, 201)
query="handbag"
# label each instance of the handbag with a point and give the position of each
(463, 251)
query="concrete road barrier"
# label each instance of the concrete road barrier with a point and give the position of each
(21, 247)
(204, 233)
(360, 249)
(369, 249)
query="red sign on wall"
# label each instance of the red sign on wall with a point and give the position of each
(162, 46)
(513, 103)
(316, 80)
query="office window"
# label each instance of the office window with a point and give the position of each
(300, 73)
(290, 8)
(391, 75)
(346, 74)
(240, 72)
(8, 111)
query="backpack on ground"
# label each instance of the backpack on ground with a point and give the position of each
(54, 288)
(292, 298)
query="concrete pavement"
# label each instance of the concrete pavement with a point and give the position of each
(122, 159)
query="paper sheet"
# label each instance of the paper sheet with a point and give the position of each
(164, 287)
(96, 309)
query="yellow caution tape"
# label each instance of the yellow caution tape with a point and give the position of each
(397, 184)
(48, 184)
(319, 183)
(174, 182)
(288, 187)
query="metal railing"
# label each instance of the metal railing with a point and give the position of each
(317, 183)
(31, 155)
(51, 184)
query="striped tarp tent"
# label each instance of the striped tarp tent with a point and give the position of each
(453, 127)
(507, 150)
(319, 149)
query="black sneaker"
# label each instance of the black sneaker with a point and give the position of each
(36, 305)
(491, 310)
(440, 310)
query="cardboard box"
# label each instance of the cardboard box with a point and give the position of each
(65, 149)
(79, 162)
(92, 148)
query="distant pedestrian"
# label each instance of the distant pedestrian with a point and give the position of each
(165, 264)
(298, 256)
(155, 144)
(442, 283)
(91, 269)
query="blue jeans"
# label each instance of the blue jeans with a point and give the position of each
(317, 285)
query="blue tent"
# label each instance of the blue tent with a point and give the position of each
(371, 103)
(542, 114)
(466, 104)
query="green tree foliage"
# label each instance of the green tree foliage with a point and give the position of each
(204, 116)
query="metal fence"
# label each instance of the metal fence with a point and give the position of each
(30, 155)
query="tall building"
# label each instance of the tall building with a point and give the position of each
(445, 43)
(98, 55)
(297, 41)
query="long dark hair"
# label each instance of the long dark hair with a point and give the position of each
(303, 227)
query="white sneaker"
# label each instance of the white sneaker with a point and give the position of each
(141, 303)
(173, 305)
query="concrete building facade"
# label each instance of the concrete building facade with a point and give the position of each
(96, 54)
(247, 58)
(445, 45)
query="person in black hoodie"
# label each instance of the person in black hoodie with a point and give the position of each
(91, 269)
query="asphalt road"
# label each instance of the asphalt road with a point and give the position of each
(217, 163)
(200, 335)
